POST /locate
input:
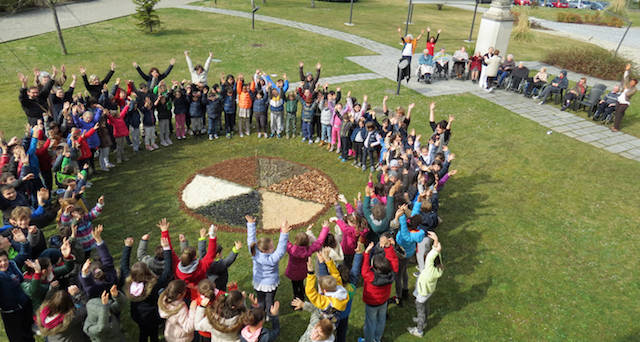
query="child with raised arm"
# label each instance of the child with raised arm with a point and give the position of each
(76, 216)
(299, 253)
(266, 275)
(426, 285)
(198, 73)
(187, 266)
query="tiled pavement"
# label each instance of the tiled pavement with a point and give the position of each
(548, 116)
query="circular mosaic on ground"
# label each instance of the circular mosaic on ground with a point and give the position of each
(271, 189)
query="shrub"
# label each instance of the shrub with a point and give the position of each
(569, 17)
(522, 29)
(594, 61)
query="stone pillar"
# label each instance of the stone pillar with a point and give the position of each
(495, 27)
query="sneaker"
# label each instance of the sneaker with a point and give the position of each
(415, 332)
(364, 167)
(164, 144)
(372, 169)
(190, 132)
(279, 136)
(337, 150)
(304, 139)
(203, 131)
(228, 135)
(317, 140)
(169, 142)
(361, 339)
(310, 142)
(541, 102)
(215, 136)
(179, 138)
(210, 136)
(155, 147)
(148, 147)
(109, 165)
(241, 135)
(354, 163)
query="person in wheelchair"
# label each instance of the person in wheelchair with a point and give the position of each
(460, 59)
(557, 86)
(517, 76)
(533, 86)
(576, 93)
(442, 63)
(607, 106)
(505, 69)
(425, 67)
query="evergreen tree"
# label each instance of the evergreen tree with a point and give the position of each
(146, 14)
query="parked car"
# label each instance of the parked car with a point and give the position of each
(585, 4)
(522, 2)
(598, 6)
(559, 4)
(572, 4)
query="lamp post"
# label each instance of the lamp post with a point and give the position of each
(406, 26)
(350, 15)
(473, 21)
(253, 17)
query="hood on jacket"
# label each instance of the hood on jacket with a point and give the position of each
(382, 279)
(47, 328)
(167, 309)
(189, 268)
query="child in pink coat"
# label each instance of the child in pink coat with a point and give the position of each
(299, 253)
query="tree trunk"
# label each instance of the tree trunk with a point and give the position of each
(313, 3)
(52, 5)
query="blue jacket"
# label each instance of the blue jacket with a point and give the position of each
(195, 107)
(148, 119)
(93, 140)
(133, 117)
(12, 294)
(265, 266)
(362, 130)
(284, 88)
(213, 107)
(260, 105)
(407, 239)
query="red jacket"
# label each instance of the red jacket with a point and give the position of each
(119, 126)
(44, 159)
(378, 295)
(85, 150)
(200, 272)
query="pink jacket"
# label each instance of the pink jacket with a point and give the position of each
(119, 126)
(179, 326)
(349, 238)
(298, 255)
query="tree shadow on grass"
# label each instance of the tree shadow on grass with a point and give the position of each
(462, 203)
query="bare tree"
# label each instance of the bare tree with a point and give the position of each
(52, 6)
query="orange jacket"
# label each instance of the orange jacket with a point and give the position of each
(244, 98)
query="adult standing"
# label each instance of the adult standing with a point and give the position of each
(408, 48)
(34, 100)
(154, 73)
(628, 89)
(199, 73)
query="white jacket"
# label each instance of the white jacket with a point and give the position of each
(201, 77)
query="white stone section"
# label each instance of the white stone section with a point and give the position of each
(204, 190)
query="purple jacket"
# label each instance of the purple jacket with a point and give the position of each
(92, 140)
(298, 255)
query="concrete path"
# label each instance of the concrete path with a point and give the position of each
(382, 66)
(38, 21)
(604, 36)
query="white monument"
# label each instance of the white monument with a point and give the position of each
(495, 27)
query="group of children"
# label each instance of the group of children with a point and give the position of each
(66, 286)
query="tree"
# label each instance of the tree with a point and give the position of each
(146, 14)
(52, 5)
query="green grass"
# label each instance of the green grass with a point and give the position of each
(539, 233)
(379, 19)
(272, 48)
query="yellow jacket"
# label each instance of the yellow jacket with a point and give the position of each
(337, 299)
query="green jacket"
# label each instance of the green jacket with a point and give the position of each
(291, 106)
(428, 278)
(37, 289)
(103, 323)
(382, 226)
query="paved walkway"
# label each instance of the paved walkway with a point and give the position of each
(385, 63)
(604, 36)
(382, 65)
(38, 21)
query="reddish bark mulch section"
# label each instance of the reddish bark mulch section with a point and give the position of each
(244, 171)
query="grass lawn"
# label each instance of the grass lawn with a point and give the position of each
(272, 48)
(538, 233)
(378, 20)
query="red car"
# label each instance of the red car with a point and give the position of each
(560, 4)
(522, 2)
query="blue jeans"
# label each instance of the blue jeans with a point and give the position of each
(368, 154)
(374, 321)
(306, 130)
(214, 125)
(502, 75)
(326, 133)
